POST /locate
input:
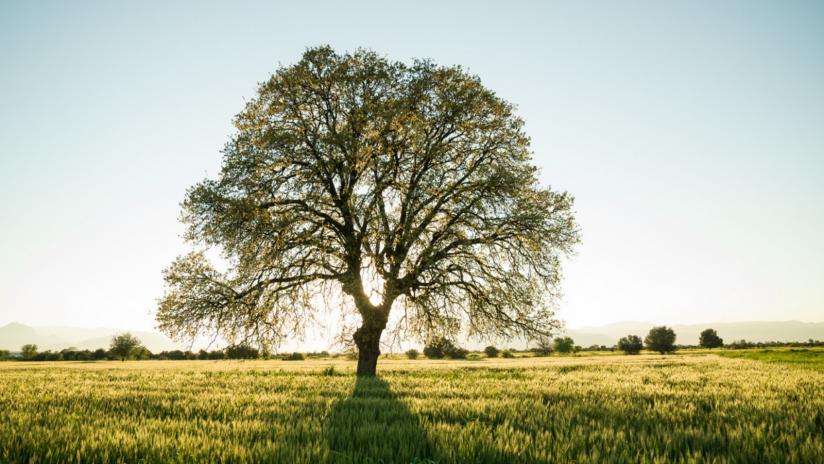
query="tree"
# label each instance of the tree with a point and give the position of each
(564, 344)
(174, 355)
(543, 346)
(141, 353)
(412, 354)
(242, 351)
(631, 344)
(491, 352)
(4, 355)
(710, 339)
(458, 353)
(99, 354)
(48, 355)
(386, 185)
(661, 339)
(123, 345)
(69, 354)
(28, 351)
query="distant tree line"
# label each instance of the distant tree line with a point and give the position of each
(126, 346)
(744, 344)
(659, 339)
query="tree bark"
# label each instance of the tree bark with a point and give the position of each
(368, 340)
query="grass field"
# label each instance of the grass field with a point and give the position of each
(809, 358)
(648, 408)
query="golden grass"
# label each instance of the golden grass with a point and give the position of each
(648, 408)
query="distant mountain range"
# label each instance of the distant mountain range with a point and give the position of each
(687, 334)
(15, 335)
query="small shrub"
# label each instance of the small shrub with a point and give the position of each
(491, 352)
(294, 357)
(328, 371)
(437, 348)
(507, 354)
(412, 354)
(741, 345)
(441, 347)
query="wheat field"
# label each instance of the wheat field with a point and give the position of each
(648, 408)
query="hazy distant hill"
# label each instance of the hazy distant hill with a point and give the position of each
(756, 331)
(14, 335)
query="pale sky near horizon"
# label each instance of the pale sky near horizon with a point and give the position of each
(690, 133)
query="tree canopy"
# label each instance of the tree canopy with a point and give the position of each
(631, 344)
(709, 339)
(660, 339)
(377, 184)
(563, 345)
(124, 345)
(28, 351)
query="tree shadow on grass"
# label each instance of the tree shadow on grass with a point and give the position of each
(375, 426)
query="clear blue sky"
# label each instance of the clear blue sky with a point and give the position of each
(691, 133)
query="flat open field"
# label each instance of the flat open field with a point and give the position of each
(648, 408)
(798, 357)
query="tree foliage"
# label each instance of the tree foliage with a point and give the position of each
(141, 352)
(28, 351)
(438, 348)
(378, 184)
(709, 339)
(242, 351)
(491, 352)
(661, 339)
(631, 344)
(563, 345)
(124, 345)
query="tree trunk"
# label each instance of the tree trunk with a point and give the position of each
(368, 340)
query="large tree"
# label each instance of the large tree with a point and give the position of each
(391, 185)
